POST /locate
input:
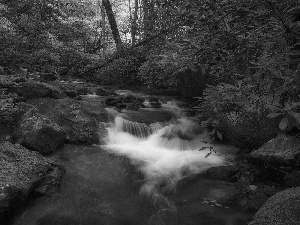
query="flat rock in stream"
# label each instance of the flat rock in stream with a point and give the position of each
(21, 172)
(147, 116)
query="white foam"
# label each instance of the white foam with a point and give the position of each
(161, 156)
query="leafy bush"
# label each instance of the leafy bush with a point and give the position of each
(122, 71)
(240, 114)
(158, 72)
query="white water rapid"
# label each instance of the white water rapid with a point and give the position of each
(164, 152)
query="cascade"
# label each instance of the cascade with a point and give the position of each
(137, 129)
(164, 152)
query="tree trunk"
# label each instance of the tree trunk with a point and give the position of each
(134, 23)
(113, 25)
(148, 17)
(103, 28)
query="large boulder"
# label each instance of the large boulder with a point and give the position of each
(79, 119)
(48, 76)
(284, 150)
(278, 160)
(104, 92)
(281, 209)
(245, 129)
(21, 172)
(31, 90)
(38, 133)
(70, 89)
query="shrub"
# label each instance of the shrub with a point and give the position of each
(241, 117)
(157, 73)
(122, 71)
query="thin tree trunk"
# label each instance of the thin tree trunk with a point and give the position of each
(145, 18)
(130, 12)
(134, 22)
(113, 25)
(103, 26)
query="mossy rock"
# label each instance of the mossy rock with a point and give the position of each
(38, 133)
(248, 130)
(21, 172)
(281, 209)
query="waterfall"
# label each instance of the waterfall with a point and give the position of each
(137, 129)
(164, 152)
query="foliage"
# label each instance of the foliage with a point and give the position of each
(290, 113)
(39, 35)
(251, 51)
(122, 71)
(158, 72)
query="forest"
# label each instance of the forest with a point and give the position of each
(235, 63)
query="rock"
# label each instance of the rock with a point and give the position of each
(281, 209)
(6, 133)
(54, 219)
(255, 201)
(125, 102)
(283, 150)
(48, 76)
(147, 116)
(70, 93)
(222, 172)
(292, 179)
(129, 98)
(135, 105)
(11, 199)
(246, 130)
(110, 101)
(38, 133)
(30, 90)
(79, 119)
(50, 182)
(120, 106)
(21, 172)
(105, 92)
(2, 72)
(59, 95)
(72, 89)
(154, 103)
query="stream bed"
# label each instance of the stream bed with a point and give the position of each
(133, 180)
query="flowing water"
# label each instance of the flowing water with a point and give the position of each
(141, 176)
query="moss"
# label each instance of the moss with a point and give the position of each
(281, 209)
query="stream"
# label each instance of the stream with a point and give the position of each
(141, 175)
